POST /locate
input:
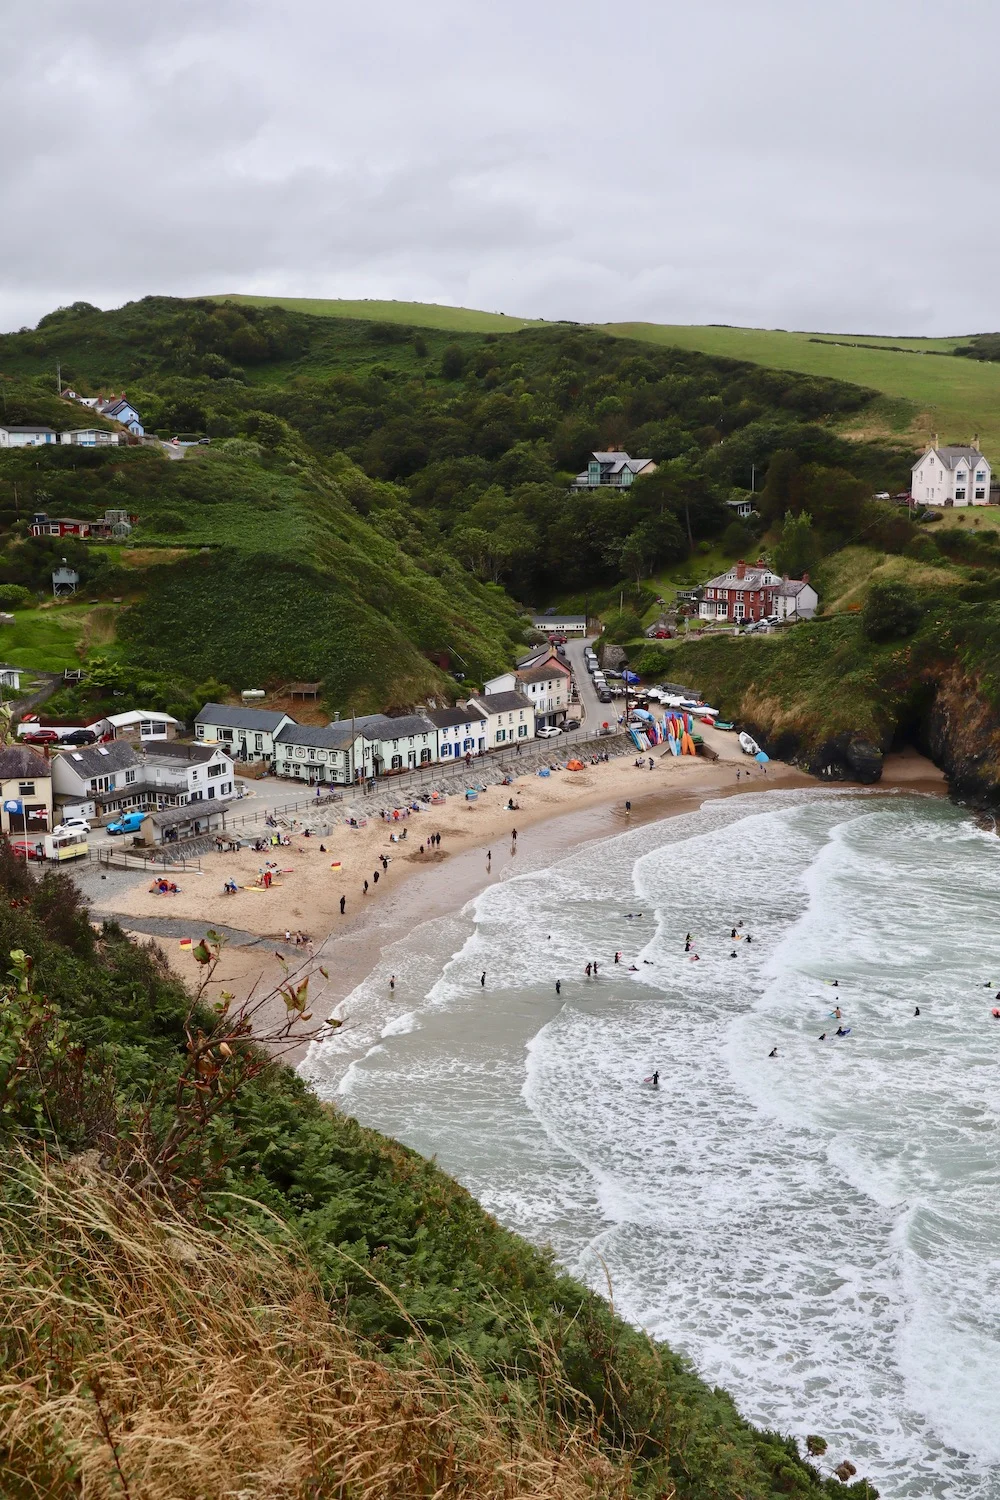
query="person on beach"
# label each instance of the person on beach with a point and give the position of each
(628, 809)
(343, 903)
(375, 876)
(385, 861)
(482, 980)
(366, 888)
(513, 835)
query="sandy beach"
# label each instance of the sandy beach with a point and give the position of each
(422, 880)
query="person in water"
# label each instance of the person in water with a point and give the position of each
(840, 1031)
(749, 938)
(773, 1052)
(687, 946)
(837, 1013)
(917, 1011)
(589, 966)
(733, 954)
(822, 1036)
(733, 934)
(656, 1078)
(558, 986)
(633, 969)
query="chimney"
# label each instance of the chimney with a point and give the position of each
(805, 578)
(741, 569)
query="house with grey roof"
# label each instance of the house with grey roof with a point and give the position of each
(951, 476)
(246, 733)
(15, 435)
(795, 599)
(384, 744)
(100, 780)
(510, 718)
(461, 730)
(25, 791)
(318, 754)
(614, 469)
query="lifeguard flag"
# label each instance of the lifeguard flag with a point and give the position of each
(185, 942)
(335, 864)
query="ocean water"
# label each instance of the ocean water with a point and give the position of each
(819, 1231)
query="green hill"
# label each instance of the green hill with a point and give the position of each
(929, 392)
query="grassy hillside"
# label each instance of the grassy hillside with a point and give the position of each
(415, 314)
(928, 394)
(230, 1288)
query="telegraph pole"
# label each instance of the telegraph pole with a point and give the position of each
(58, 378)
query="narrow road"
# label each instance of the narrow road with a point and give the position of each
(595, 713)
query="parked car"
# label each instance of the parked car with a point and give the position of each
(604, 696)
(42, 737)
(547, 732)
(72, 825)
(79, 737)
(572, 724)
(27, 849)
(128, 823)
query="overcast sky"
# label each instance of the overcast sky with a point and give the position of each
(817, 164)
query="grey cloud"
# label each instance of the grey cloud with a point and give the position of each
(769, 163)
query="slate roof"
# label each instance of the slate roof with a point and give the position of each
(15, 427)
(23, 763)
(753, 578)
(543, 671)
(98, 760)
(235, 716)
(318, 736)
(382, 727)
(792, 588)
(182, 750)
(189, 812)
(953, 456)
(450, 718)
(502, 703)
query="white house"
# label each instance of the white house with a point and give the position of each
(560, 624)
(384, 745)
(90, 437)
(543, 679)
(98, 780)
(951, 476)
(613, 468)
(142, 724)
(795, 599)
(27, 437)
(10, 677)
(510, 718)
(247, 732)
(25, 791)
(461, 731)
(315, 753)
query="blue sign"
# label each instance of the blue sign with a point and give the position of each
(12, 805)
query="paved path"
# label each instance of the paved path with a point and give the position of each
(594, 711)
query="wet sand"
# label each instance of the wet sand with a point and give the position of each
(555, 815)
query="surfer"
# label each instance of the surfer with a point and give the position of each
(558, 986)
(482, 980)
(917, 1011)
(618, 956)
(589, 966)
(733, 954)
(633, 969)
(749, 938)
(656, 1078)
(392, 981)
(840, 1031)
(822, 1036)
(687, 946)
(733, 934)
(837, 1013)
(773, 1052)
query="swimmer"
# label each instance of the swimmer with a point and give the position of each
(632, 969)
(648, 961)
(733, 954)
(773, 1052)
(837, 1013)
(656, 1078)
(840, 1031)
(822, 1036)
(917, 1011)
(749, 938)
(695, 958)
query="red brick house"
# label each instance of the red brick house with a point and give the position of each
(744, 593)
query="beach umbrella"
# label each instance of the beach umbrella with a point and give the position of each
(630, 676)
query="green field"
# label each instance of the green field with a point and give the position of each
(929, 393)
(414, 314)
(46, 640)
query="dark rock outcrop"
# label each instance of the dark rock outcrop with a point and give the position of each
(847, 757)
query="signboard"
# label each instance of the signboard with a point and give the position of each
(12, 805)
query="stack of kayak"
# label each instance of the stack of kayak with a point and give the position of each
(678, 728)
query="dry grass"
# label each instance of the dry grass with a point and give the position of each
(147, 1359)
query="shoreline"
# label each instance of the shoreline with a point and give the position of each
(423, 888)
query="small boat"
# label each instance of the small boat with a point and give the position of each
(724, 724)
(747, 745)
